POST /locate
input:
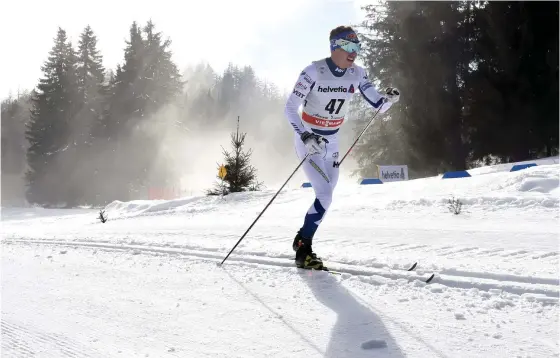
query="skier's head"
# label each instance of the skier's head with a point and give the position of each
(345, 46)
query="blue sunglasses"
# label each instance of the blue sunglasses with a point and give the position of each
(346, 45)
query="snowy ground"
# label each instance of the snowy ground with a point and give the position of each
(146, 283)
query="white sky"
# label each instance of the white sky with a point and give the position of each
(277, 38)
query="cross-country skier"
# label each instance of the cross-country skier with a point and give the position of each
(325, 88)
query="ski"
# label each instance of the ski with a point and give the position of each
(326, 269)
(411, 268)
(331, 271)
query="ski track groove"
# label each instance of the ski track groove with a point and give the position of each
(547, 255)
(515, 253)
(15, 340)
(394, 246)
(458, 251)
(443, 248)
(449, 277)
(412, 247)
(494, 252)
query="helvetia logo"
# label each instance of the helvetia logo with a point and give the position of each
(393, 175)
(332, 89)
(351, 89)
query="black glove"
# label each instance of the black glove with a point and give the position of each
(315, 143)
(392, 95)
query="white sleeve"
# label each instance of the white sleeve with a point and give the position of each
(303, 86)
(370, 94)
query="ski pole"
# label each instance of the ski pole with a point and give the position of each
(267, 205)
(360, 136)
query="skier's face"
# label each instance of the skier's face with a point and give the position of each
(342, 58)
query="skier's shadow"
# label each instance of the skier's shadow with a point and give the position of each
(358, 332)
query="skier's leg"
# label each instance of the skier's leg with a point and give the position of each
(315, 168)
(323, 193)
(317, 172)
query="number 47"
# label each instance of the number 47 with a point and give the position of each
(330, 106)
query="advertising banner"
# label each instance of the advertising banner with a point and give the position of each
(388, 173)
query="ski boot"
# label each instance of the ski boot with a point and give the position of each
(305, 257)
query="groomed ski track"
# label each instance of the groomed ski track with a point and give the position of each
(189, 308)
(95, 299)
(518, 285)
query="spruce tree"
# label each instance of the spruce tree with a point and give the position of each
(163, 87)
(420, 48)
(147, 81)
(513, 97)
(55, 104)
(92, 87)
(162, 76)
(479, 80)
(129, 100)
(14, 114)
(240, 174)
(126, 107)
(82, 161)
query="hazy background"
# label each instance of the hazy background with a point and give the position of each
(107, 101)
(276, 39)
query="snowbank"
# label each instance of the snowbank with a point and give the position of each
(535, 187)
(506, 167)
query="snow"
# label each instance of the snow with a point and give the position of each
(507, 166)
(459, 315)
(146, 283)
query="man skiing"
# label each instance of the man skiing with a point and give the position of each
(325, 88)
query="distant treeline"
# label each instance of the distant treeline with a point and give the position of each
(88, 136)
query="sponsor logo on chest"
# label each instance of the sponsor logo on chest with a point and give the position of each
(329, 89)
(316, 121)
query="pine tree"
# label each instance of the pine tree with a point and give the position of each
(513, 93)
(163, 87)
(54, 105)
(81, 160)
(419, 47)
(163, 79)
(129, 100)
(227, 91)
(143, 86)
(14, 114)
(240, 174)
(479, 80)
(126, 107)
(92, 87)
(108, 127)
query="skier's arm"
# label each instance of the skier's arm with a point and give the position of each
(303, 86)
(372, 96)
